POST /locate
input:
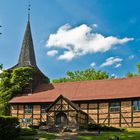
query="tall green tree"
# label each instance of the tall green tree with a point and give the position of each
(12, 83)
(1, 66)
(88, 74)
(138, 68)
(129, 74)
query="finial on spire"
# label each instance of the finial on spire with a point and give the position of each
(29, 9)
(0, 32)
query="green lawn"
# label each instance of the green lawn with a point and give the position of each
(31, 134)
(46, 136)
(129, 134)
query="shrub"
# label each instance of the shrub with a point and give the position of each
(33, 126)
(43, 123)
(9, 127)
(103, 127)
(28, 132)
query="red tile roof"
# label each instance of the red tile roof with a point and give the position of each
(84, 90)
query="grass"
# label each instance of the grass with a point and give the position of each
(46, 136)
(129, 134)
(32, 134)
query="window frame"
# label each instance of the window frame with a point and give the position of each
(27, 120)
(114, 108)
(136, 107)
(28, 110)
(43, 110)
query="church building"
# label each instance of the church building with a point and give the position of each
(112, 102)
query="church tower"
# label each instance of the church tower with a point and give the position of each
(27, 54)
(27, 57)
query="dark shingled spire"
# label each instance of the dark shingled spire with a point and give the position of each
(27, 59)
(27, 55)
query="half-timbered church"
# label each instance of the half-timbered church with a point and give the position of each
(114, 102)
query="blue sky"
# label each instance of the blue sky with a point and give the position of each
(74, 34)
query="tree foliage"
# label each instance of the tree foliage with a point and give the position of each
(13, 82)
(138, 68)
(129, 74)
(1, 66)
(88, 74)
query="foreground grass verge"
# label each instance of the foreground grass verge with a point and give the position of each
(129, 134)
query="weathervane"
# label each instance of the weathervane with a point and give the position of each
(0, 32)
(29, 9)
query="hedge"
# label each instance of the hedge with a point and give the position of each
(28, 132)
(9, 127)
(92, 127)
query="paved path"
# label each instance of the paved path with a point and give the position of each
(74, 136)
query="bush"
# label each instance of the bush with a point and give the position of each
(103, 127)
(33, 126)
(43, 123)
(9, 127)
(27, 132)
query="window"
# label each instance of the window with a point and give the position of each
(114, 107)
(28, 109)
(136, 105)
(23, 120)
(27, 121)
(43, 108)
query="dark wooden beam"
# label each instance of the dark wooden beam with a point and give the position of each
(108, 113)
(120, 114)
(17, 110)
(98, 121)
(132, 113)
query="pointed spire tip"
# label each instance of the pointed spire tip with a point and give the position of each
(29, 9)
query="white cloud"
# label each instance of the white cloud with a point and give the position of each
(118, 65)
(93, 64)
(111, 60)
(131, 57)
(52, 53)
(113, 75)
(95, 25)
(81, 40)
(68, 55)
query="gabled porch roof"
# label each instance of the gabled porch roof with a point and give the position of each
(74, 106)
